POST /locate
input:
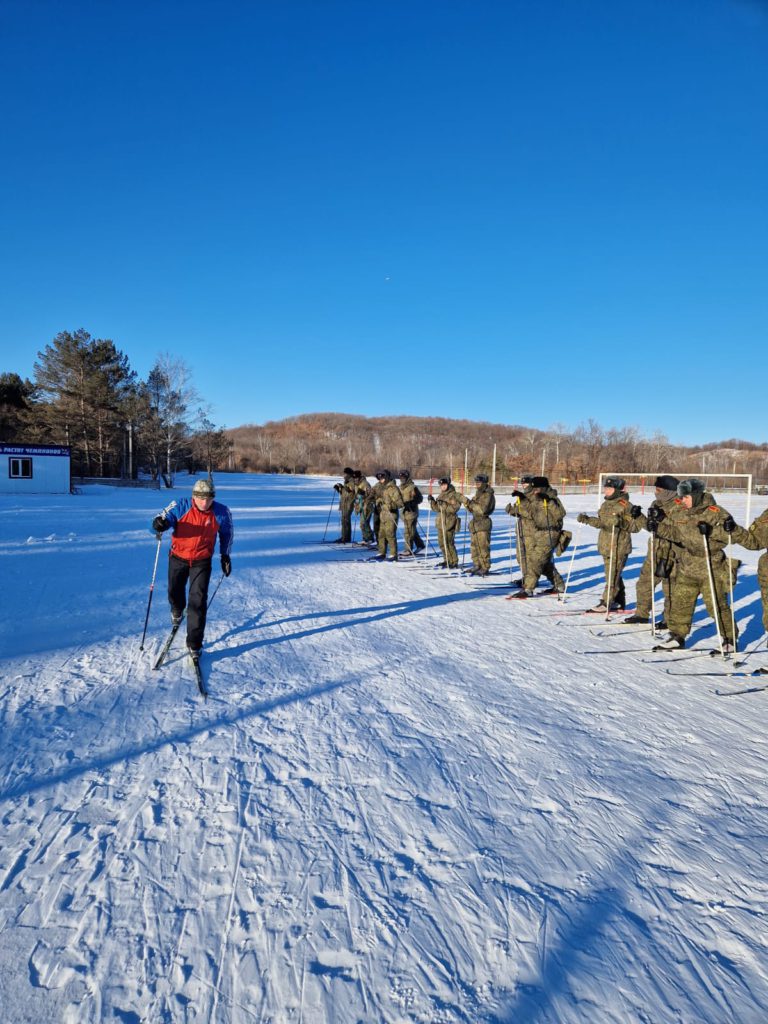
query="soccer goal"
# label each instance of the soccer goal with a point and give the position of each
(730, 483)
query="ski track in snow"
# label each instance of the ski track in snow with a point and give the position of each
(406, 800)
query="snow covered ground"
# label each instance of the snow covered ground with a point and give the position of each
(406, 800)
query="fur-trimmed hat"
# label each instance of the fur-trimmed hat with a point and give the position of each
(540, 481)
(527, 478)
(692, 486)
(615, 482)
(481, 478)
(444, 480)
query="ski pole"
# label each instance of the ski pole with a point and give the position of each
(653, 586)
(151, 589)
(715, 608)
(573, 557)
(330, 510)
(609, 581)
(730, 591)
(512, 533)
(215, 592)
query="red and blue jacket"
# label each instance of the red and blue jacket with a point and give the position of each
(195, 532)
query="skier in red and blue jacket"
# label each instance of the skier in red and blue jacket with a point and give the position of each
(195, 523)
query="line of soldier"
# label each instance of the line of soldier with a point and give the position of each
(686, 554)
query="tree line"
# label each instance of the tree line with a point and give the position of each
(431, 446)
(85, 395)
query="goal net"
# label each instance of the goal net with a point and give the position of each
(718, 483)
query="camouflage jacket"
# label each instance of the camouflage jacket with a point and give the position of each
(446, 505)
(388, 500)
(412, 498)
(664, 551)
(756, 537)
(481, 506)
(347, 493)
(613, 518)
(682, 529)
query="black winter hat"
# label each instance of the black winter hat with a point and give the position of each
(527, 478)
(615, 482)
(481, 478)
(540, 481)
(404, 474)
(347, 471)
(383, 474)
(666, 483)
(444, 480)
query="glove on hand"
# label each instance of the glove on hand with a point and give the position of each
(509, 508)
(704, 528)
(635, 511)
(729, 524)
(582, 517)
(337, 488)
(160, 524)
(519, 494)
(226, 564)
(653, 525)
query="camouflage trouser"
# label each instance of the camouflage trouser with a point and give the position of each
(445, 540)
(521, 547)
(412, 540)
(539, 563)
(480, 548)
(365, 526)
(376, 524)
(762, 579)
(617, 595)
(387, 537)
(345, 514)
(646, 584)
(685, 591)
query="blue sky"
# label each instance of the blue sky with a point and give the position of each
(525, 212)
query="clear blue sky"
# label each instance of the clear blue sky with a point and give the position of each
(525, 212)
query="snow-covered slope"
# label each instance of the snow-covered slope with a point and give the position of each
(406, 800)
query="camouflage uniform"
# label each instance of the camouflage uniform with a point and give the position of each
(616, 525)
(540, 517)
(753, 539)
(346, 492)
(387, 501)
(692, 575)
(481, 506)
(664, 558)
(412, 498)
(364, 509)
(446, 506)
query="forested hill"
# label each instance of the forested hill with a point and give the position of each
(430, 446)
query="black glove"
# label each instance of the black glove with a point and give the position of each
(226, 564)
(729, 524)
(704, 528)
(160, 524)
(519, 494)
(656, 514)
(635, 511)
(337, 488)
(652, 525)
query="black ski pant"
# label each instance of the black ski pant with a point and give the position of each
(199, 575)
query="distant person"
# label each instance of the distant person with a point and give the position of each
(699, 533)
(482, 507)
(540, 516)
(661, 569)
(196, 524)
(617, 520)
(412, 498)
(524, 527)
(388, 502)
(446, 507)
(364, 509)
(755, 538)
(346, 491)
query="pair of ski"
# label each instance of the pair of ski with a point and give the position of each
(195, 660)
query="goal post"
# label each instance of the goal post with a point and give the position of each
(715, 482)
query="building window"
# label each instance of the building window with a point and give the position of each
(20, 469)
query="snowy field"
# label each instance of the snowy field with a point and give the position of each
(406, 799)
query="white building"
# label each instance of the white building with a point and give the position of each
(34, 469)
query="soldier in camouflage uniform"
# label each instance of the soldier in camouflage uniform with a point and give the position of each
(346, 492)
(699, 535)
(364, 509)
(661, 568)
(412, 498)
(524, 527)
(543, 513)
(388, 501)
(753, 539)
(446, 506)
(616, 520)
(482, 507)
